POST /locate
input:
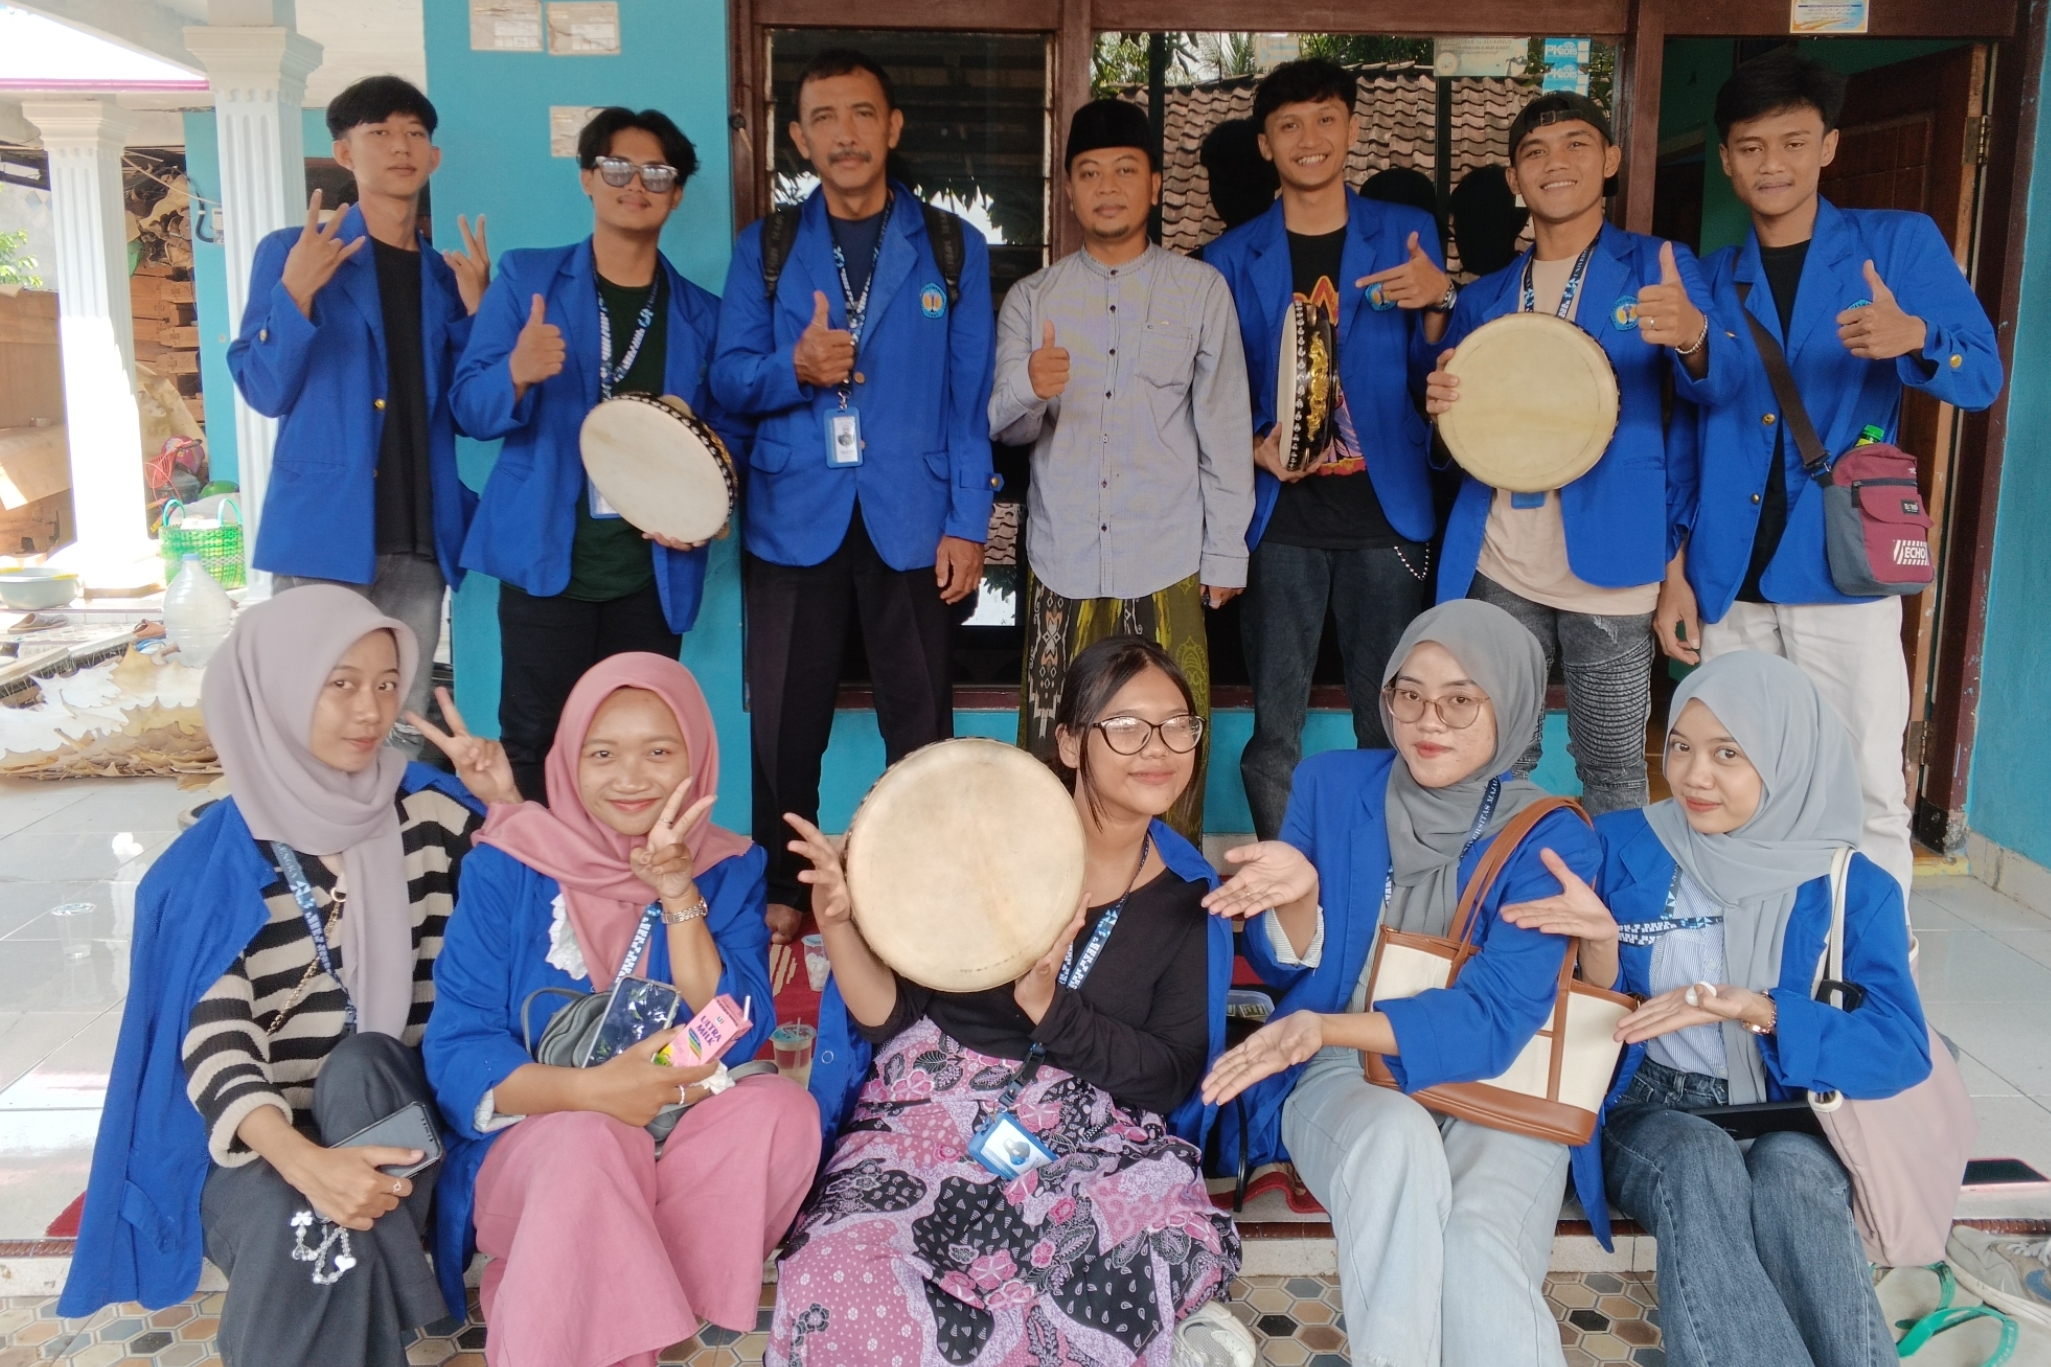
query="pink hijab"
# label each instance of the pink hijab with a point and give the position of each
(588, 857)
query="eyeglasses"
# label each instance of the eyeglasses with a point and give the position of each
(1130, 735)
(618, 172)
(1457, 710)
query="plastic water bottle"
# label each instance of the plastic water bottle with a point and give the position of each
(198, 614)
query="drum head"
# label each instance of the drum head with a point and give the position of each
(965, 864)
(1304, 385)
(659, 465)
(1538, 403)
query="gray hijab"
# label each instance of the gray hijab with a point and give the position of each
(258, 697)
(1809, 808)
(1428, 827)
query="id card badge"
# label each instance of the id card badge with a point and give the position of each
(1008, 1149)
(843, 438)
(600, 508)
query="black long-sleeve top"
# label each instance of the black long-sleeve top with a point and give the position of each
(1139, 1025)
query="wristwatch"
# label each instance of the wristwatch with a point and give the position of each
(1446, 302)
(677, 918)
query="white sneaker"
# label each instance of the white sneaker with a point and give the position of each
(2012, 1273)
(1212, 1337)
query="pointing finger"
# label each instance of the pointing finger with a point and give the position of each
(537, 312)
(819, 310)
(1669, 270)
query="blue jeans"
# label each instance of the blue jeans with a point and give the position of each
(1759, 1261)
(1373, 593)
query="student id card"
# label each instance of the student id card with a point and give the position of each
(843, 438)
(600, 506)
(1007, 1148)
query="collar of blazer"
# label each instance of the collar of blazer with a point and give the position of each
(811, 265)
(1834, 242)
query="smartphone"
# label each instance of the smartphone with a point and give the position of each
(1762, 1117)
(639, 1007)
(2001, 1172)
(407, 1128)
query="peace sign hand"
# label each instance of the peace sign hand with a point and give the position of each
(665, 862)
(1416, 284)
(316, 256)
(480, 763)
(472, 265)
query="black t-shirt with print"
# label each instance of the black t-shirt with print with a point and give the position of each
(1334, 509)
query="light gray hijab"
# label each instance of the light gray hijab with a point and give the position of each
(258, 697)
(1809, 808)
(1428, 827)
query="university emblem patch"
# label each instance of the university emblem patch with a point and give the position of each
(932, 301)
(1624, 313)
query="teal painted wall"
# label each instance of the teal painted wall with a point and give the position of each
(2007, 800)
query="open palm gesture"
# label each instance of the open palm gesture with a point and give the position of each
(665, 862)
(480, 763)
(1279, 1044)
(831, 905)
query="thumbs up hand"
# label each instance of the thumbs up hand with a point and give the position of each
(1666, 315)
(538, 353)
(1416, 284)
(1047, 367)
(1880, 330)
(824, 355)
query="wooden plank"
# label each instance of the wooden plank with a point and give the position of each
(1643, 57)
(1074, 49)
(35, 462)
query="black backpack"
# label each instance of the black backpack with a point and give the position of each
(780, 231)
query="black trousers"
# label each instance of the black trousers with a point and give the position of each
(275, 1315)
(798, 618)
(546, 645)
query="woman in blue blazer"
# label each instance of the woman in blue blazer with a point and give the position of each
(1723, 899)
(606, 1246)
(1097, 1255)
(1373, 837)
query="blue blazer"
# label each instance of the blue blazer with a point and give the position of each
(198, 908)
(1879, 1050)
(1382, 353)
(1464, 1033)
(1959, 364)
(1616, 514)
(496, 954)
(840, 1061)
(528, 516)
(921, 387)
(324, 378)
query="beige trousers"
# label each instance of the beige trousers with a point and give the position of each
(1853, 652)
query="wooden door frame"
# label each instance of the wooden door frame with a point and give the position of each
(1639, 27)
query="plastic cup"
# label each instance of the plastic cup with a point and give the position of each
(816, 962)
(792, 1047)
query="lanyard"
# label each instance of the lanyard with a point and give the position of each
(302, 893)
(1073, 971)
(641, 934)
(1481, 820)
(608, 375)
(858, 308)
(1566, 295)
(1642, 933)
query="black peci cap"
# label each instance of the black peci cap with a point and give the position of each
(1109, 123)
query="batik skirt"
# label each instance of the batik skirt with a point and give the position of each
(909, 1253)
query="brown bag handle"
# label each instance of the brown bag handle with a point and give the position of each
(1493, 860)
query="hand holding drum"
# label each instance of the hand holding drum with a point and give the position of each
(1527, 402)
(661, 466)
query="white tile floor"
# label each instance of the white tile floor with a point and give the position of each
(80, 847)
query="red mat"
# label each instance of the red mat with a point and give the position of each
(65, 1226)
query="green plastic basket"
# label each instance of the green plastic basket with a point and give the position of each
(219, 548)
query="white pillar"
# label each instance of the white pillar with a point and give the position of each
(258, 76)
(96, 330)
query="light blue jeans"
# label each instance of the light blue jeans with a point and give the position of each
(1418, 1201)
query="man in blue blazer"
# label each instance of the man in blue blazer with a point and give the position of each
(865, 358)
(349, 339)
(1581, 566)
(1861, 302)
(1353, 528)
(562, 329)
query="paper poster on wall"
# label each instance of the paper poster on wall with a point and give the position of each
(565, 122)
(1827, 16)
(505, 25)
(584, 28)
(1480, 57)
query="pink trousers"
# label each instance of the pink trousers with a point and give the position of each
(602, 1254)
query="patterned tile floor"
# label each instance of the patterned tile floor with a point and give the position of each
(1604, 1318)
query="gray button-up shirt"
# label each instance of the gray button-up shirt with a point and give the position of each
(1143, 466)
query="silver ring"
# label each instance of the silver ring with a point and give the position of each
(681, 1090)
(397, 1184)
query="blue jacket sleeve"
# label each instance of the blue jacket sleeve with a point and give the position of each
(971, 364)
(737, 890)
(1881, 1048)
(470, 1046)
(481, 393)
(751, 374)
(1960, 362)
(269, 357)
(1475, 1028)
(1297, 830)
(1683, 472)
